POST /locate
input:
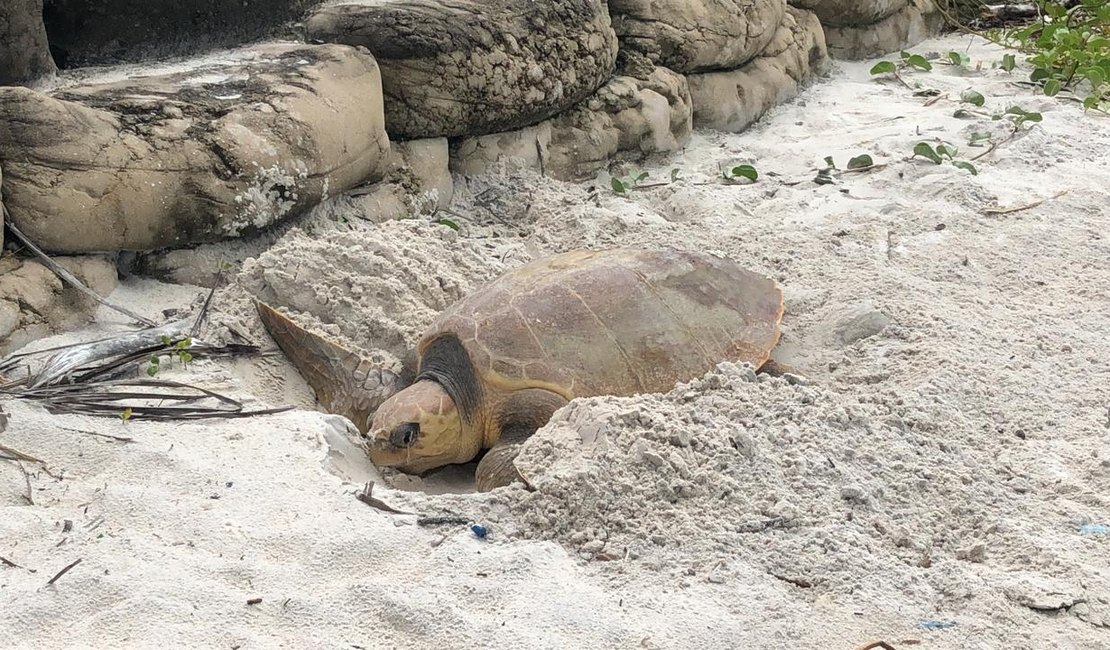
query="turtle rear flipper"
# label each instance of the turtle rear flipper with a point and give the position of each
(345, 383)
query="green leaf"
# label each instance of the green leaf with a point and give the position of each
(918, 61)
(1051, 87)
(966, 166)
(674, 174)
(449, 223)
(1090, 102)
(1039, 74)
(126, 414)
(1096, 76)
(641, 176)
(1008, 62)
(745, 171)
(925, 150)
(963, 113)
(959, 58)
(977, 137)
(904, 54)
(972, 97)
(882, 67)
(830, 163)
(946, 150)
(186, 357)
(860, 162)
(152, 370)
(166, 340)
(155, 360)
(618, 185)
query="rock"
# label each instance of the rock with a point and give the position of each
(628, 115)
(697, 35)
(84, 32)
(913, 23)
(521, 148)
(467, 67)
(24, 54)
(34, 303)
(417, 183)
(175, 158)
(840, 13)
(733, 100)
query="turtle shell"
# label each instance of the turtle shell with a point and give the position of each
(614, 322)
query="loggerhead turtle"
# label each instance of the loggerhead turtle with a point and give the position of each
(496, 365)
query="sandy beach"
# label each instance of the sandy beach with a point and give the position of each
(941, 480)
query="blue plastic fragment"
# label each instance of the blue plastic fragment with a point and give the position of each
(1094, 528)
(479, 531)
(936, 625)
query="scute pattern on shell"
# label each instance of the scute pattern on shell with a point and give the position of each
(615, 322)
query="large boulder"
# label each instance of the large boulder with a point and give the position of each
(179, 157)
(84, 32)
(628, 116)
(733, 100)
(417, 183)
(697, 35)
(912, 23)
(469, 67)
(838, 13)
(24, 54)
(34, 303)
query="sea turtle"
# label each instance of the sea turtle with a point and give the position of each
(494, 366)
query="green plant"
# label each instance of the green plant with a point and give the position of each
(179, 349)
(939, 153)
(627, 183)
(1068, 46)
(740, 172)
(1018, 116)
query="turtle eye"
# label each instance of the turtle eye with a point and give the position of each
(405, 435)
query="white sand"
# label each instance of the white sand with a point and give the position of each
(955, 436)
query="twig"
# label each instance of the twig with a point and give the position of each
(203, 315)
(1019, 208)
(374, 502)
(66, 275)
(64, 571)
(6, 562)
(97, 433)
(19, 455)
(442, 521)
(30, 496)
(955, 22)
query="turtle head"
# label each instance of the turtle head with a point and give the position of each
(419, 429)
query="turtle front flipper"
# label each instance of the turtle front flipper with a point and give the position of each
(345, 383)
(520, 415)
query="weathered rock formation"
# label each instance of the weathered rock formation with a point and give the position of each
(471, 67)
(733, 100)
(84, 32)
(697, 35)
(24, 54)
(175, 158)
(627, 115)
(34, 303)
(859, 29)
